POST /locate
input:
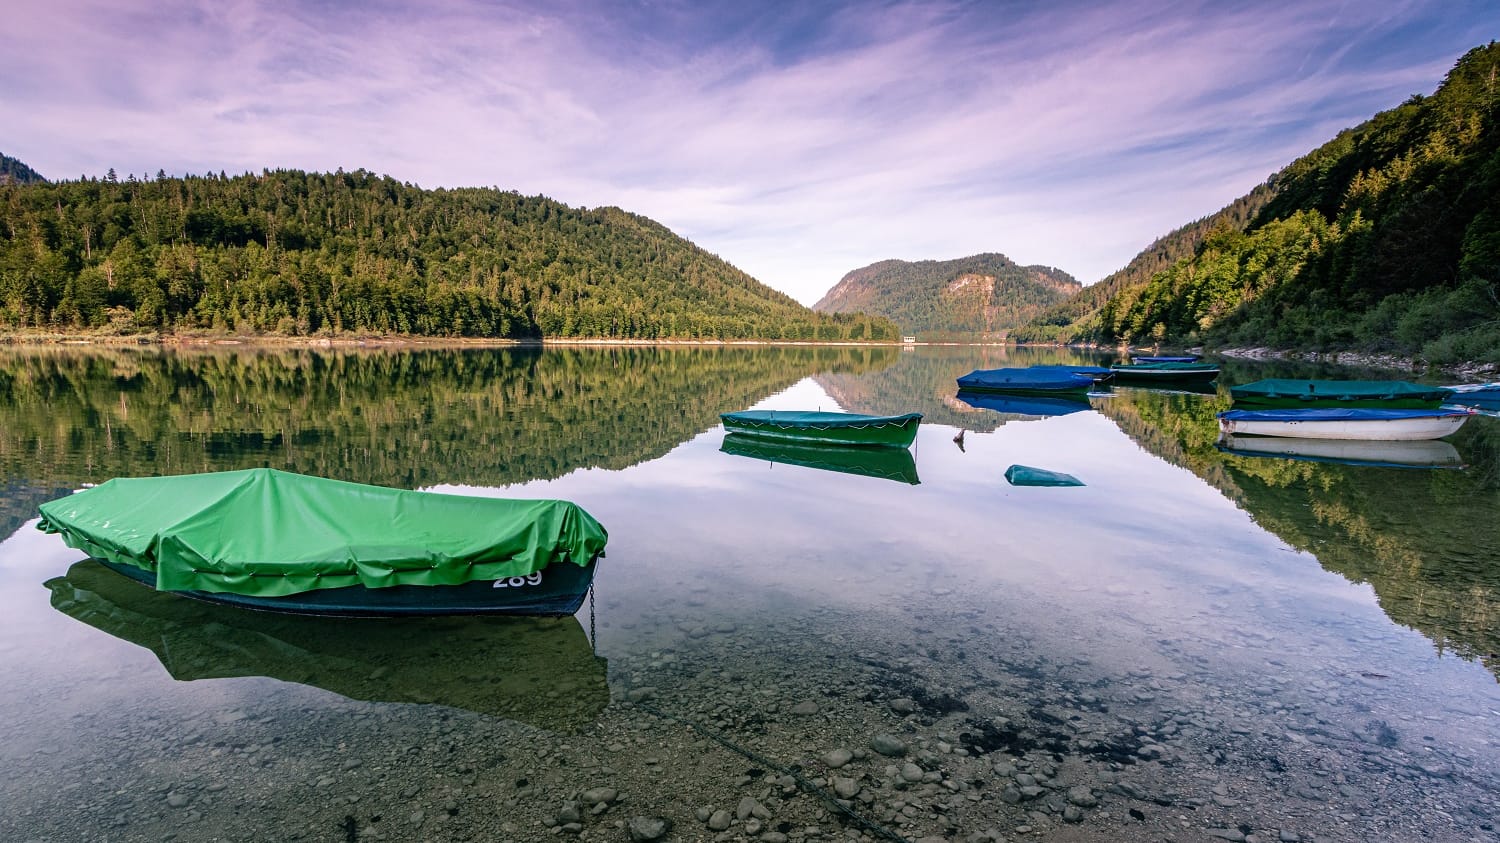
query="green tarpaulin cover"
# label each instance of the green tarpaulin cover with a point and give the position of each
(266, 533)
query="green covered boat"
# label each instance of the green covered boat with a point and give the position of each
(886, 463)
(275, 540)
(1284, 393)
(1169, 373)
(826, 428)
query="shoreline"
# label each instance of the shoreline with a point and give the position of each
(1472, 370)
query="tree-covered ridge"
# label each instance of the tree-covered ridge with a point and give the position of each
(985, 294)
(295, 253)
(1386, 239)
(16, 172)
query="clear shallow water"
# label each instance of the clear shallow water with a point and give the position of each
(1191, 646)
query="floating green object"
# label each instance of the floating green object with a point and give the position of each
(1025, 475)
(262, 533)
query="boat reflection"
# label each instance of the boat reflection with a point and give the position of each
(1033, 406)
(540, 671)
(886, 463)
(1429, 453)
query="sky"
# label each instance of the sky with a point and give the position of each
(796, 140)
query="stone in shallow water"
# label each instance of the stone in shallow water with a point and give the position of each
(648, 828)
(837, 758)
(888, 745)
(805, 708)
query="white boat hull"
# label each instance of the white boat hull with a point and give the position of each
(1397, 430)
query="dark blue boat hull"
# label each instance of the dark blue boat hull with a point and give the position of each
(559, 591)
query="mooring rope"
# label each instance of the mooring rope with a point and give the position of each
(803, 783)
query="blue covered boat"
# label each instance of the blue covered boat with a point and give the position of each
(1036, 380)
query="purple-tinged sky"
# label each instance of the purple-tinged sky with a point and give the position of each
(797, 140)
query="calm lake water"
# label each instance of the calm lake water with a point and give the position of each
(1193, 645)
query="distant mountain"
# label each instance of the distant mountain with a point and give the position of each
(1386, 239)
(15, 172)
(296, 253)
(985, 294)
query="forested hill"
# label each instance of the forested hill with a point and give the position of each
(1384, 239)
(981, 294)
(297, 253)
(15, 172)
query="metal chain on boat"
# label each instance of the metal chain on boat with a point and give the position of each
(593, 639)
(803, 783)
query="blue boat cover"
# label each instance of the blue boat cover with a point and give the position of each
(1044, 378)
(1081, 370)
(1337, 414)
(1024, 405)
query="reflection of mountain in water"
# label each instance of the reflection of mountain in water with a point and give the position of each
(1426, 540)
(925, 380)
(541, 671)
(485, 417)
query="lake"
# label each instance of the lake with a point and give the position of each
(1193, 645)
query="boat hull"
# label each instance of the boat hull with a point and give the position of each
(1367, 425)
(1149, 373)
(554, 591)
(847, 429)
(1038, 380)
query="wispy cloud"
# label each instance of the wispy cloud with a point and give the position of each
(797, 141)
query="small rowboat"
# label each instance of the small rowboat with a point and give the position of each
(1184, 358)
(1339, 423)
(826, 428)
(1037, 380)
(1172, 372)
(266, 539)
(1290, 392)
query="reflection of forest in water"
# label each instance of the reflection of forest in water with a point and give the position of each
(409, 418)
(1426, 540)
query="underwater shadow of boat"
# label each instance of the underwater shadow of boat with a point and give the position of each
(535, 670)
(1024, 405)
(885, 463)
(1397, 453)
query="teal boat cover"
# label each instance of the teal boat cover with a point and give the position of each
(1338, 390)
(818, 420)
(1025, 475)
(266, 533)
